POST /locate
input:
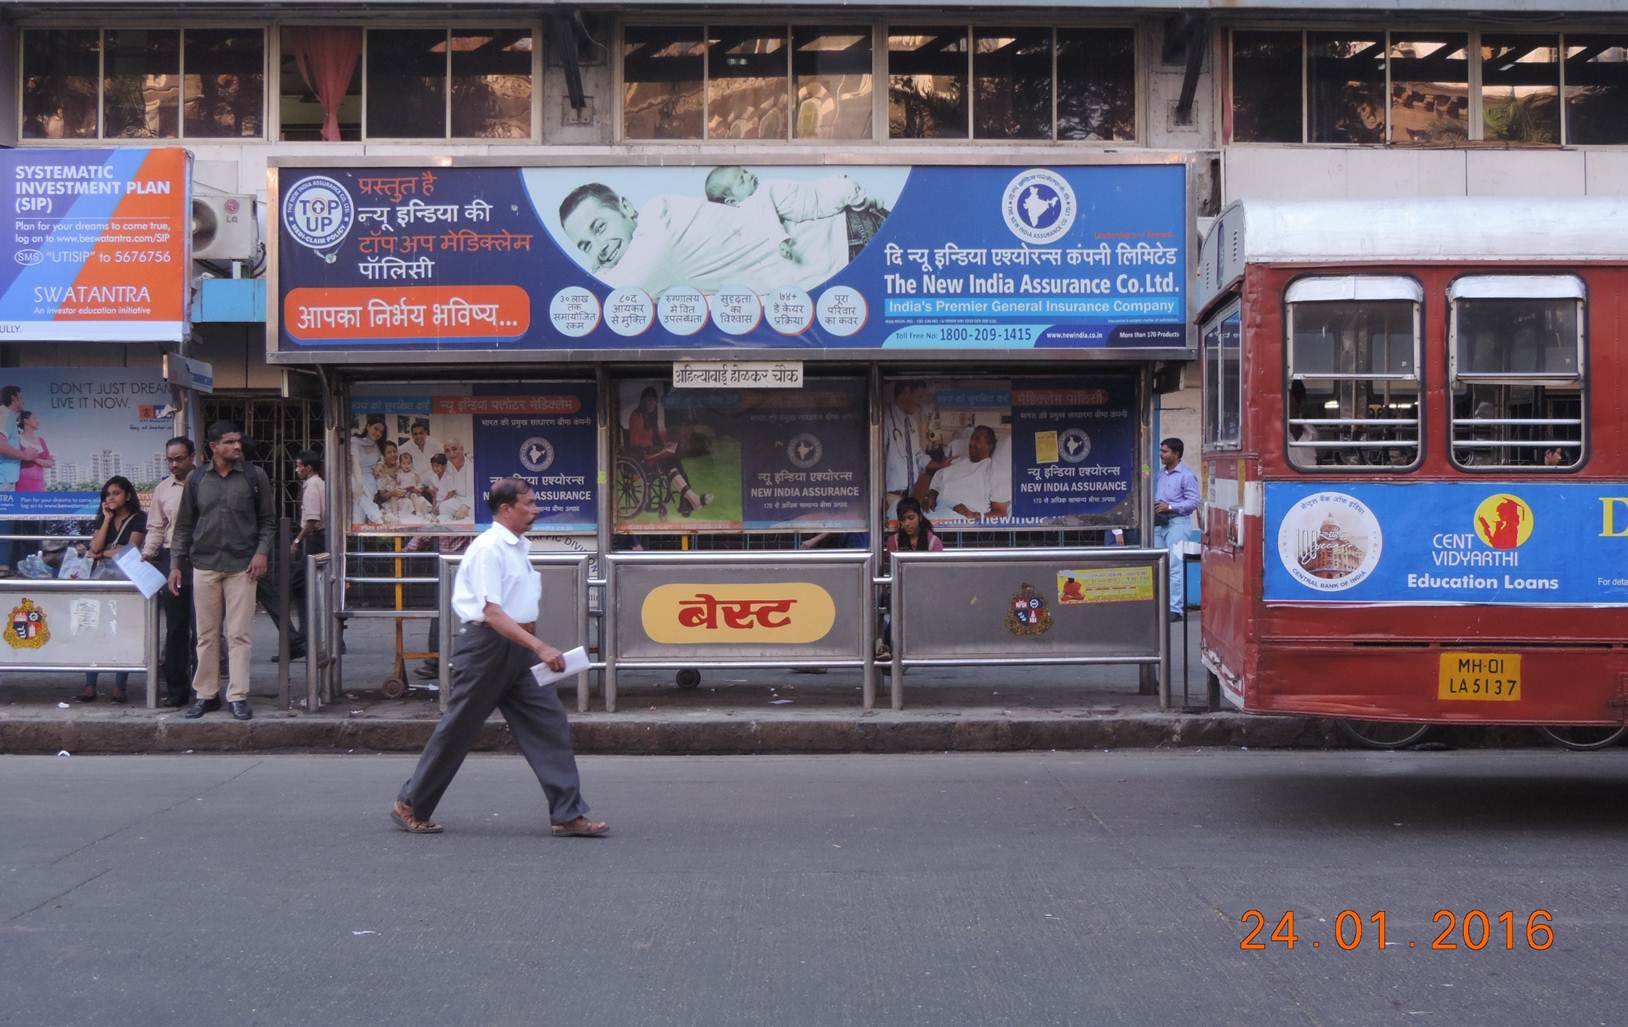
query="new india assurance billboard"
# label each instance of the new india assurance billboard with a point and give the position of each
(97, 245)
(710, 256)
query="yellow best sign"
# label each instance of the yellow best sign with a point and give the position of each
(786, 612)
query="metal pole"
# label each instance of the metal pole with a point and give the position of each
(1164, 631)
(152, 651)
(443, 641)
(875, 519)
(336, 404)
(316, 633)
(896, 678)
(1146, 684)
(604, 511)
(285, 539)
(607, 634)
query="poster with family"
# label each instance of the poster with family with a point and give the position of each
(1041, 452)
(732, 460)
(426, 460)
(76, 427)
(772, 257)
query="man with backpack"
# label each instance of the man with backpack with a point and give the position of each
(222, 539)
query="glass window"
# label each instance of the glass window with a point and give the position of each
(832, 69)
(224, 90)
(61, 68)
(406, 83)
(491, 83)
(1353, 384)
(1517, 382)
(746, 82)
(1266, 87)
(1347, 77)
(1011, 71)
(927, 82)
(663, 82)
(1430, 88)
(319, 87)
(1520, 88)
(1596, 90)
(141, 84)
(1096, 84)
(1223, 404)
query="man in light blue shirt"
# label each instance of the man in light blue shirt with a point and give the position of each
(1175, 497)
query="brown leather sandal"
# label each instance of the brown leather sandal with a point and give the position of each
(402, 814)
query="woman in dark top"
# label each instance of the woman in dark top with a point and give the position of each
(119, 525)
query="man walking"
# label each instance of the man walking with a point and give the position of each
(495, 595)
(1174, 500)
(223, 535)
(179, 638)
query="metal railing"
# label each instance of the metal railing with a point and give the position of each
(58, 613)
(1128, 623)
(854, 646)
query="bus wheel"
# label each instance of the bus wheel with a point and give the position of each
(1382, 734)
(1582, 738)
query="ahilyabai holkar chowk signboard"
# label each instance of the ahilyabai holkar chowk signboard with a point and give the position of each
(95, 244)
(711, 256)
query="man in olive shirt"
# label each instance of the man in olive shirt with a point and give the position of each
(223, 536)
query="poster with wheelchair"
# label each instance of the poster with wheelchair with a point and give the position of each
(729, 460)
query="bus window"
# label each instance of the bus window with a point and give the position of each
(1516, 365)
(1353, 359)
(1223, 398)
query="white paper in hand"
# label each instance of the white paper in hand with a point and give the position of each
(144, 574)
(576, 661)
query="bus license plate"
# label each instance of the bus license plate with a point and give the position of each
(1479, 677)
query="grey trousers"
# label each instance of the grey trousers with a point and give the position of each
(490, 672)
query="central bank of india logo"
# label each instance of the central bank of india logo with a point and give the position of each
(537, 454)
(1330, 541)
(1039, 206)
(318, 212)
(1503, 521)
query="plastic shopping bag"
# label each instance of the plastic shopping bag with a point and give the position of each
(75, 566)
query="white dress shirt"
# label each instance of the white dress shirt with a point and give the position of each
(495, 569)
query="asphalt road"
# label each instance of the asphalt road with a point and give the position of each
(1001, 889)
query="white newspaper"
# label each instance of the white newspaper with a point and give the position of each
(144, 574)
(576, 661)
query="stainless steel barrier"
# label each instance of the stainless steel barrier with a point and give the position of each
(730, 610)
(562, 614)
(982, 607)
(321, 643)
(79, 626)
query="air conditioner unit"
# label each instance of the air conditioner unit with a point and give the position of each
(225, 228)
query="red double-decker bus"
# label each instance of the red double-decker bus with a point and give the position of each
(1416, 497)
